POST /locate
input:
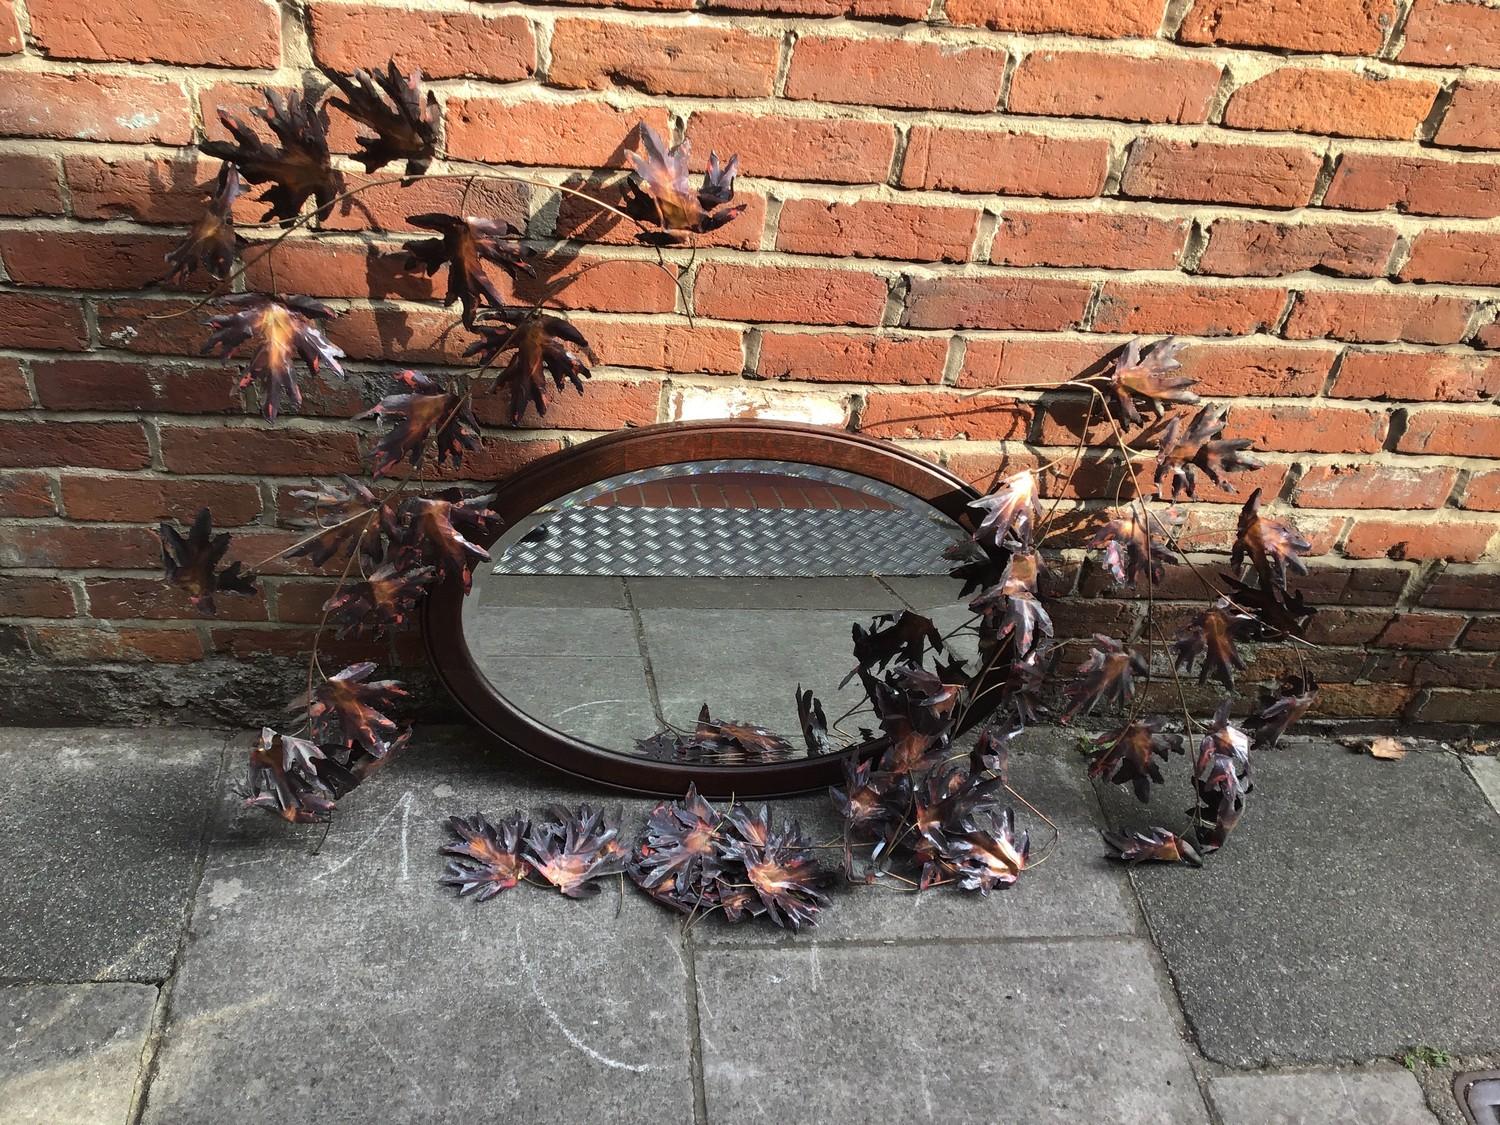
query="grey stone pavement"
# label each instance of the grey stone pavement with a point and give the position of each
(169, 959)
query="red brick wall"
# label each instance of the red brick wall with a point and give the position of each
(943, 197)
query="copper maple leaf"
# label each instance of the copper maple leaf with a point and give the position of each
(300, 168)
(891, 636)
(436, 531)
(1024, 682)
(1156, 845)
(871, 801)
(660, 192)
(1147, 374)
(543, 346)
(1107, 677)
(1010, 510)
(464, 246)
(337, 510)
(428, 409)
(1011, 608)
(1187, 446)
(284, 779)
(1212, 635)
(211, 242)
(488, 856)
(780, 868)
(726, 742)
(986, 853)
(191, 563)
(814, 723)
(1278, 710)
(282, 330)
(570, 850)
(386, 598)
(678, 859)
(1221, 790)
(1129, 753)
(393, 108)
(1279, 611)
(1129, 551)
(1221, 738)
(1271, 546)
(345, 710)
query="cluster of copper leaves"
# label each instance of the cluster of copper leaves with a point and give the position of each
(691, 857)
(723, 742)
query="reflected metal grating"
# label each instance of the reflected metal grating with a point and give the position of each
(1478, 1095)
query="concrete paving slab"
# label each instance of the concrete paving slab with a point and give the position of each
(1486, 772)
(99, 831)
(603, 700)
(860, 596)
(412, 1004)
(70, 1054)
(550, 631)
(1073, 891)
(1351, 917)
(1029, 1032)
(1380, 1097)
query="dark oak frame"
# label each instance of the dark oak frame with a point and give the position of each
(627, 451)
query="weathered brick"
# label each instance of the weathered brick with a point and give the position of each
(665, 347)
(1189, 308)
(93, 107)
(1212, 172)
(1115, 86)
(386, 205)
(100, 384)
(1378, 317)
(582, 220)
(1473, 116)
(1006, 163)
(1340, 27)
(847, 357)
(1450, 432)
(1040, 304)
(704, 61)
(84, 259)
(1263, 248)
(607, 405)
(73, 546)
(1459, 706)
(1368, 484)
(782, 147)
(26, 495)
(1464, 257)
(443, 44)
(1447, 538)
(1483, 633)
(10, 32)
(14, 393)
(254, 450)
(590, 134)
(240, 33)
(53, 323)
(774, 293)
(134, 499)
(905, 73)
(1422, 630)
(153, 189)
(875, 229)
(97, 445)
(1091, 238)
(945, 415)
(1482, 494)
(1341, 103)
(1418, 185)
(1308, 429)
(1100, 19)
(29, 185)
(906, 11)
(1417, 376)
(1005, 363)
(94, 643)
(1452, 33)
(1257, 369)
(149, 599)
(1462, 587)
(26, 596)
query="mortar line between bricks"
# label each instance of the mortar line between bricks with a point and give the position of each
(161, 1012)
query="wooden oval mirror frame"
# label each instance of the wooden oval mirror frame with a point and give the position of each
(557, 475)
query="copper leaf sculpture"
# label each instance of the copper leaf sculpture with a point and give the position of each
(1148, 374)
(347, 710)
(281, 331)
(1155, 845)
(1188, 446)
(487, 857)
(394, 108)
(427, 410)
(1211, 636)
(660, 192)
(1271, 546)
(212, 243)
(191, 563)
(543, 346)
(463, 246)
(299, 169)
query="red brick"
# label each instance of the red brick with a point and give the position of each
(1257, 369)
(151, 599)
(1006, 163)
(1467, 257)
(99, 384)
(1418, 376)
(1340, 27)
(1371, 485)
(421, 335)
(1451, 432)
(71, 546)
(443, 44)
(1334, 626)
(1092, 238)
(96, 445)
(14, 393)
(1188, 308)
(1452, 33)
(384, 204)
(84, 259)
(94, 643)
(1379, 317)
(582, 220)
(24, 596)
(1100, 19)
(847, 357)
(171, 327)
(1447, 537)
(1118, 87)
(905, 73)
(1473, 117)
(29, 185)
(906, 11)
(1482, 493)
(773, 293)
(1005, 363)
(1484, 633)
(665, 347)
(1361, 701)
(10, 32)
(1209, 172)
(1262, 248)
(1422, 630)
(249, 642)
(1462, 587)
(1306, 99)
(606, 404)
(944, 415)
(586, 134)
(1308, 429)
(26, 495)
(243, 100)
(254, 451)
(1039, 304)
(149, 190)
(146, 500)
(796, 148)
(873, 229)
(501, 455)
(93, 107)
(1418, 185)
(240, 33)
(704, 61)
(52, 323)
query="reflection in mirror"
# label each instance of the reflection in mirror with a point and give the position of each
(670, 612)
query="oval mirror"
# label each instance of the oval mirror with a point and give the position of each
(677, 604)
